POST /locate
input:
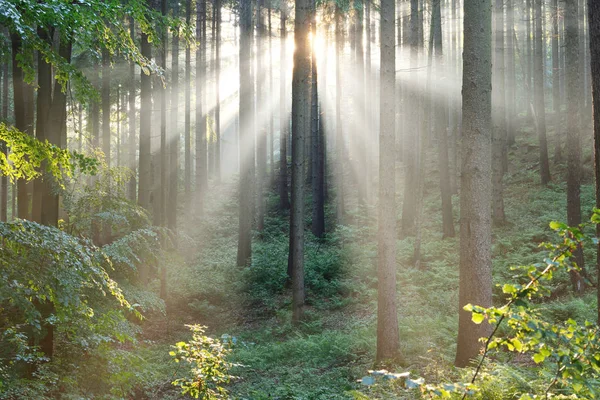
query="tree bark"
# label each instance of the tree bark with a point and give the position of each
(284, 202)
(301, 82)
(201, 143)
(540, 107)
(145, 168)
(594, 32)
(246, 195)
(499, 117)
(475, 223)
(339, 138)
(173, 140)
(187, 151)
(573, 126)
(132, 123)
(388, 341)
(318, 199)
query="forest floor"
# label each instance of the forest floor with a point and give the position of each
(326, 356)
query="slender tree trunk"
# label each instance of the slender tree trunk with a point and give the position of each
(339, 138)
(105, 92)
(201, 143)
(388, 340)
(145, 155)
(573, 129)
(173, 140)
(368, 102)
(23, 109)
(271, 124)
(217, 13)
(556, 72)
(187, 180)
(511, 80)
(594, 32)
(261, 138)
(540, 107)
(284, 202)
(499, 117)
(475, 223)
(244, 252)
(318, 200)
(132, 123)
(161, 196)
(301, 82)
(4, 179)
(528, 58)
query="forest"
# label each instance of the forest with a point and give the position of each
(299, 199)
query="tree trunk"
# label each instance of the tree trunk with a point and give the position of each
(475, 285)
(388, 341)
(556, 72)
(145, 168)
(499, 117)
(261, 138)
(217, 38)
(318, 200)
(246, 97)
(187, 151)
(132, 124)
(573, 126)
(284, 202)
(4, 179)
(594, 32)
(339, 138)
(201, 143)
(540, 107)
(23, 108)
(173, 140)
(161, 196)
(301, 82)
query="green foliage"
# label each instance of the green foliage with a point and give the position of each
(24, 161)
(209, 369)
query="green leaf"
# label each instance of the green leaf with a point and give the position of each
(477, 318)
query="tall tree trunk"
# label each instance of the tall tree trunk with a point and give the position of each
(388, 340)
(173, 140)
(573, 126)
(4, 179)
(105, 92)
(284, 202)
(145, 155)
(161, 196)
(556, 72)
(217, 5)
(187, 180)
(23, 108)
(271, 123)
(301, 82)
(440, 120)
(132, 123)
(498, 117)
(511, 80)
(201, 143)
(528, 58)
(475, 285)
(540, 105)
(318, 199)
(368, 101)
(594, 32)
(339, 138)
(409, 204)
(246, 97)
(261, 134)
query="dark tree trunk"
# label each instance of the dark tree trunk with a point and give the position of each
(4, 179)
(217, 38)
(594, 32)
(187, 180)
(556, 72)
(246, 194)
(23, 108)
(261, 134)
(511, 99)
(573, 89)
(301, 82)
(475, 223)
